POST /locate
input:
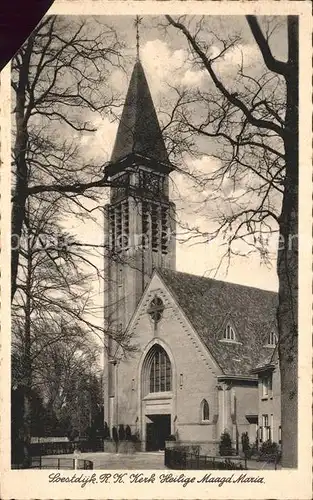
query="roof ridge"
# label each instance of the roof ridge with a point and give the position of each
(215, 280)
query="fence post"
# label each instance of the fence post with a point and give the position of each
(39, 461)
(213, 463)
(58, 463)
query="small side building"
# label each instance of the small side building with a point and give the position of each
(269, 393)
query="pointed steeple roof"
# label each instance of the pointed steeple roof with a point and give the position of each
(139, 130)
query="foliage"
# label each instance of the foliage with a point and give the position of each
(225, 444)
(172, 437)
(114, 434)
(128, 433)
(121, 432)
(135, 438)
(269, 448)
(106, 431)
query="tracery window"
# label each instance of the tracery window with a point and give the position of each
(156, 309)
(160, 371)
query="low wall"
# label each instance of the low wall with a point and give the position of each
(64, 447)
(55, 439)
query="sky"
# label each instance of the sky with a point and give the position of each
(164, 59)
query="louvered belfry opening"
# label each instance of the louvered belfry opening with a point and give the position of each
(119, 226)
(155, 228)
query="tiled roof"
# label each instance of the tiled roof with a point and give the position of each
(209, 304)
(268, 357)
(139, 130)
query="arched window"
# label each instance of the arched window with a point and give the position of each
(205, 410)
(160, 371)
(229, 333)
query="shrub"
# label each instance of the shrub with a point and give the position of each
(135, 437)
(228, 465)
(121, 432)
(254, 450)
(246, 448)
(128, 433)
(269, 448)
(171, 438)
(106, 431)
(225, 447)
(115, 434)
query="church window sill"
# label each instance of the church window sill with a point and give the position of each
(229, 341)
(158, 395)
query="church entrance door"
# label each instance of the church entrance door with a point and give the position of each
(157, 432)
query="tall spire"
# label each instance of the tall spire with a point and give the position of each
(137, 21)
(139, 130)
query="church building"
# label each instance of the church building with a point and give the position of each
(203, 348)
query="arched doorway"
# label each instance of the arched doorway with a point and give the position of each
(157, 387)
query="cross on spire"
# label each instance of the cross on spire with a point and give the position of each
(137, 21)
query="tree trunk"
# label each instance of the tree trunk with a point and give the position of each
(27, 364)
(288, 331)
(18, 216)
(287, 266)
(20, 149)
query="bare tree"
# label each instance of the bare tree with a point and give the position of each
(54, 314)
(58, 77)
(254, 122)
(49, 308)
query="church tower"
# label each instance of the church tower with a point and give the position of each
(140, 219)
(140, 216)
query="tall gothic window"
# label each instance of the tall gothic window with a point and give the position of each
(205, 410)
(160, 371)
